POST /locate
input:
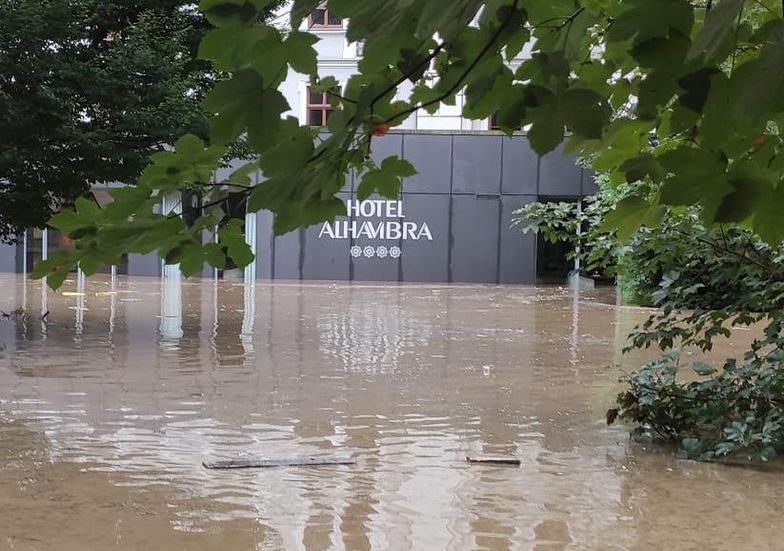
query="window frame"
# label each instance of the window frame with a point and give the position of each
(326, 24)
(325, 107)
(492, 123)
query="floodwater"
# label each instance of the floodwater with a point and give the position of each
(110, 404)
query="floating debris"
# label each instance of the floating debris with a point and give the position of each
(495, 460)
(270, 463)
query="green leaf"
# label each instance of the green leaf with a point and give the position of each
(230, 13)
(546, 132)
(629, 214)
(90, 263)
(242, 103)
(291, 152)
(718, 28)
(323, 84)
(300, 53)
(696, 176)
(191, 259)
(68, 222)
(237, 249)
(55, 269)
(232, 49)
(585, 112)
(214, 255)
(696, 88)
(764, 89)
(242, 176)
(512, 112)
(642, 166)
(644, 19)
(516, 44)
(385, 179)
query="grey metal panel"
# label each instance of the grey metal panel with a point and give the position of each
(589, 186)
(264, 237)
(386, 146)
(559, 176)
(517, 262)
(431, 155)
(286, 256)
(144, 265)
(520, 170)
(20, 258)
(424, 260)
(7, 258)
(324, 257)
(474, 239)
(476, 164)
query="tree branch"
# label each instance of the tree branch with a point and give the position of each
(426, 61)
(742, 256)
(452, 89)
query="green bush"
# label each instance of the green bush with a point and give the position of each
(705, 282)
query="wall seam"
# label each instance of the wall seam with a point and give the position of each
(451, 209)
(500, 212)
(401, 195)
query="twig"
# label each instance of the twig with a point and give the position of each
(716, 246)
(452, 89)
(405, 76)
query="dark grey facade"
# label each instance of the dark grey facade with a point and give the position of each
(466, 189)
(451, 224)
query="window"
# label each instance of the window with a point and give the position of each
(319, 108)
(321, 17)
(492, 123)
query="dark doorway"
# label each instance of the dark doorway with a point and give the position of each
(553, 263)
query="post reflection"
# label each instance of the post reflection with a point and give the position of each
(248, 313)
(171, 303)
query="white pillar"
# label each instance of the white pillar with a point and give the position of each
(579, 236)
(171, 279)
(24, 254)
(45, 244)
(250, 239)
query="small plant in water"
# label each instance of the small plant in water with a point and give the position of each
(737, 409)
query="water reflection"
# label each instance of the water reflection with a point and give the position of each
(171, 302)
(408, 380)
(372, 336)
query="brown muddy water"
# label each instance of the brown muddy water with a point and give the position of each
(110, 405)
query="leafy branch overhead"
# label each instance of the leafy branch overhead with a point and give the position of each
(686, 98)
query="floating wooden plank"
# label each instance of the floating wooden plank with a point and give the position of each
(495, 460)
(270, 463)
